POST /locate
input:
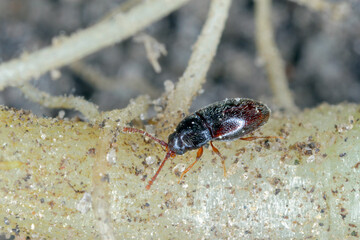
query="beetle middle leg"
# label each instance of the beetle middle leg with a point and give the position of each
(221, 156)
(198, 156)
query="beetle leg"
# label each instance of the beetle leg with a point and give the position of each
(219, 154)
(135, 130)
(254, 137)
(198, 156)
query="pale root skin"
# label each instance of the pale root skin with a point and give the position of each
(57, 180)
(67, 153)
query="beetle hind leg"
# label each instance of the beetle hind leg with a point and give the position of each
(221, 156)
(198, 156)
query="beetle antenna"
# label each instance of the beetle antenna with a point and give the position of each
(135, 130)
(255, 137)
(167, 156)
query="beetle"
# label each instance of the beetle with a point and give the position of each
(225, 120)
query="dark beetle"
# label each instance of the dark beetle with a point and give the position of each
(221, 121)
(225, 120)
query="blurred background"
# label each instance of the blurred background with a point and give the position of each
(321, 53)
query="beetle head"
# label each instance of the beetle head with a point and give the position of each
(176, 143)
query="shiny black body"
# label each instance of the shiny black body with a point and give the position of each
(225, 120)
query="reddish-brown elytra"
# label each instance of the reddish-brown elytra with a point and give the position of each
(226, 120)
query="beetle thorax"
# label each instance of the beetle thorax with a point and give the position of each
(191, 133)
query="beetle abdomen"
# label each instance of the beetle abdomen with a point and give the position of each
(233, 118)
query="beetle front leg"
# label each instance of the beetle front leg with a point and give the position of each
(198, 156)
